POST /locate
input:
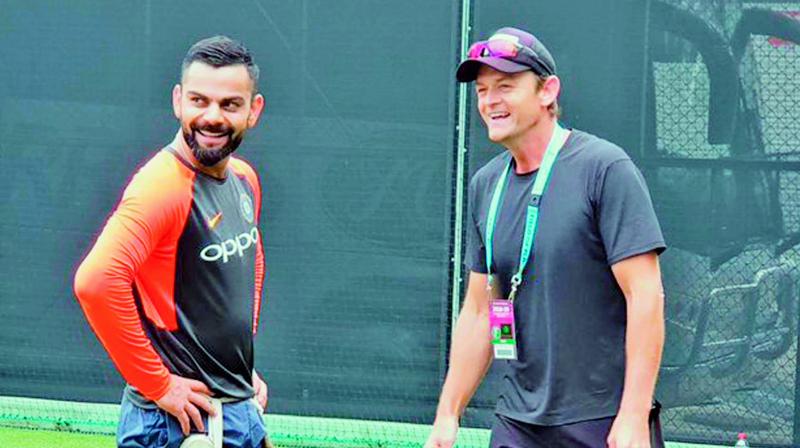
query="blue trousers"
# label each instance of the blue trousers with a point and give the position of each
(155, 428)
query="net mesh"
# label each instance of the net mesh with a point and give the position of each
(728, 205)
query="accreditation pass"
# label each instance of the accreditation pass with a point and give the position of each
(501, 323)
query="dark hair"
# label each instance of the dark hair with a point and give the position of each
(221, 51)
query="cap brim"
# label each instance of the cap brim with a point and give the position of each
(468, 70)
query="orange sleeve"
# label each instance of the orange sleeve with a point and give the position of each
(104, 280)
(260, 273)
(260, 267)
(249, 173)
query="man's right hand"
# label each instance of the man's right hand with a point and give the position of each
(443, 434)
(182, 400)
(470, 356)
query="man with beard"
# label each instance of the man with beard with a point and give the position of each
(172, 286)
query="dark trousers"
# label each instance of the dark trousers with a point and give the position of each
(508, 433)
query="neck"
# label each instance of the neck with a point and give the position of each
(529, 149)
(217, 171)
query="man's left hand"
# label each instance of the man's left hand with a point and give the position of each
(630, 430)
(262, 395)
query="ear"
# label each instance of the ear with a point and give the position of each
(176, 101)
(256, 107)
(549, 90)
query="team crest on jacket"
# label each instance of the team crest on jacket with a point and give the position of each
(246, 205)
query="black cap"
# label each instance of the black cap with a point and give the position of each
(534, 57)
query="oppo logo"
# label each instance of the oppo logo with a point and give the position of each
(230, 247)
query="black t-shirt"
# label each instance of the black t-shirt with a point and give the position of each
(570, 312)
(173, 284)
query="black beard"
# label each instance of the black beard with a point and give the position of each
(211, 157)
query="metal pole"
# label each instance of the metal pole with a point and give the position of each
(796, 419)
(645, 77)
(461, 157)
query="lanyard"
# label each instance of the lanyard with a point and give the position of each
(532, 218)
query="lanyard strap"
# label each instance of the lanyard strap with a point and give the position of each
(532, 217)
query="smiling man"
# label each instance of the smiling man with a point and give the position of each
(172, 286)
(564, 286)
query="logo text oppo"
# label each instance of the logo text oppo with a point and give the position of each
(234, 246)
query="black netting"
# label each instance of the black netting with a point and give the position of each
(722, 167)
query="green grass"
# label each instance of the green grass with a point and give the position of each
(37, 423)
(31, 438)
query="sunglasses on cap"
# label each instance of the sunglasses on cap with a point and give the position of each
(516, 52)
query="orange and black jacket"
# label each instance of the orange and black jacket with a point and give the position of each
(173, 283)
